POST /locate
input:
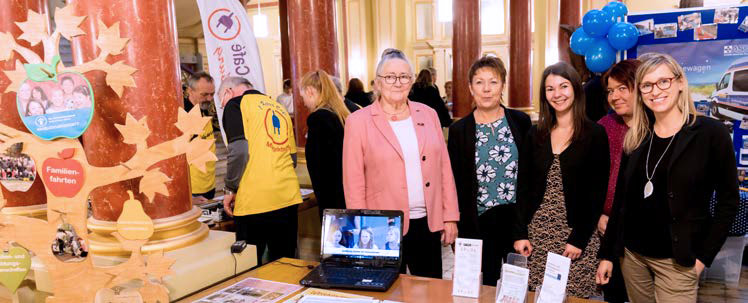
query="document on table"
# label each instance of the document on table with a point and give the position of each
(467, 278)
(513, 287)
(554, 279)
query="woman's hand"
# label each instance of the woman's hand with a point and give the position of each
(699, 268)
(228, 204)
(572, 252)
(523, 247)
(604, 271)
(602, 224)
(449, 234)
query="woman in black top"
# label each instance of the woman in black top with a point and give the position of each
(356, 93)
(424, 91)
(324, 145)
(673, 161)
(487, 141)
(563, 179)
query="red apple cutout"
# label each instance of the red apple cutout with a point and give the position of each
(63, 176)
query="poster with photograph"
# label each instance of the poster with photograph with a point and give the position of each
(252, 290)
(744, 25)
(726, 15)
(17, 170)
(56, 109)
(667, 30)
(690, 21)
(67, 246)
(645, 27)
(705, 32)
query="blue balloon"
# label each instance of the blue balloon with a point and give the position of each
(596, 23)
(580, 42)
(623, 35)
(600, 56)
(617, 9)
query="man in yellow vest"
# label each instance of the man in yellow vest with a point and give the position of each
(262, 190)
(200, 91)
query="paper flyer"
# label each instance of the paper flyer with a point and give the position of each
(323, 293)
(467, 272)
(252, 290)
(513, 284)
(555, 278)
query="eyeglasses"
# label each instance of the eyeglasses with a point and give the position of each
(662, 84)
(391, 79)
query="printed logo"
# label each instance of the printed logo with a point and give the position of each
(276, 127)
(224, 24)
(41, 121)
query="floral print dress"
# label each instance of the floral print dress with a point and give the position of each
(496, 161)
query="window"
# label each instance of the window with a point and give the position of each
(424, 21)
(740, 82)
(492, 17)
(724, 83)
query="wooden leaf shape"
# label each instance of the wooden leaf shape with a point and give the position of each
(119, 75)
(192, 123)
(199, 153)
(154, 293)
(16, 77)
(134, 131)
(153, 182)
(7, 42)
(109, 40)
(68, 24)
(158, 266)
(34, 28)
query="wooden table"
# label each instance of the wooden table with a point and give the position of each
(407, 288)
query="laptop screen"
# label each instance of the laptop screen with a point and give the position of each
(361, 235)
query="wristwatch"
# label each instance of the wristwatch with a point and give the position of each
(227, 192)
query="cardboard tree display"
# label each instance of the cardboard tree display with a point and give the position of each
(69, 178)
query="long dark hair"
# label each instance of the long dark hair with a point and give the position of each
(355, 86)
(547, 120)
(424, 78)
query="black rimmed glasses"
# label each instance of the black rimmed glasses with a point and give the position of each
(662, 84)
(391, 79)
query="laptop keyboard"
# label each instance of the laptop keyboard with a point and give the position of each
(357, 275)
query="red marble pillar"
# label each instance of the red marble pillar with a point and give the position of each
(569, 15)
(520, 38)
(12, 11)
(465, 50)
(153, 50)
(285, 49)
(312, 45)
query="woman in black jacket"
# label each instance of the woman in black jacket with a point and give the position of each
(424, 91)
(563, 179)
(324, 145)
(487, 141)
(674, 160)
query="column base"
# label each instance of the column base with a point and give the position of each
(38, 211)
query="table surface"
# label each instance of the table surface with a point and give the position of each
(406, 288)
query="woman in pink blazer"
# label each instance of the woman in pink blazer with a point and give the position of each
(395, 157)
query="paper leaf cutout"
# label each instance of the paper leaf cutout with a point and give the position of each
(16, 77)
(199, 153)
(109, 40)
(153, 182)
(68, 24)
(34, 28)
(192, 123)
(134, 131)
(154, 293)
(159, 266)
(7, 41)
(119, 75)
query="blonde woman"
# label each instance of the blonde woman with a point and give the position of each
(324, 146)
(673, 161)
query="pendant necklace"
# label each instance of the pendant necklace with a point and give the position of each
(394, 115)
(649, 187)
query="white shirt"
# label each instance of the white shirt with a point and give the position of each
(406, 136)
(287, 101)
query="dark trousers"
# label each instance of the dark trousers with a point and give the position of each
(615, 290)
(495, 230)
(422, 250)
(277, 230)
(209, 195)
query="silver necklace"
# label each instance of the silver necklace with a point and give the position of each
(649, 187)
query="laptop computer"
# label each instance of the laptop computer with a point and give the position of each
(360, 250)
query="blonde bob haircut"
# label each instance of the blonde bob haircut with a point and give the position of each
(640, 124)
(329, 97)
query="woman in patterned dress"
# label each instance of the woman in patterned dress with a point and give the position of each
(483, 149)
(562, 183)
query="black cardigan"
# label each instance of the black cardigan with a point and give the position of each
(461, 148)
(429, 95)
(703, 162)
(585, 167)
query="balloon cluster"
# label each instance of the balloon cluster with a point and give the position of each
(601, 36)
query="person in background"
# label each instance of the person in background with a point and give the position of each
(395, 158)
(352, 107)
(484, 152)
(661, 226)
(337, 239)
(356, 93)
(324, 145)
(262, 192)
(448, 96)
(619, 81)
(38, 95)
(425, 92)
(200, 89)
(57, 104)
(563, 177)
(286, 98)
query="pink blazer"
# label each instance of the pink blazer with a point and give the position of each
(374, 169)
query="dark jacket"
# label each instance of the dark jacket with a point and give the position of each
(461, 148)
(702, 163)
(596, 99)
(429, 95)
(584, 169)
(360, 98)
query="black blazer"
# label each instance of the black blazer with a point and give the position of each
(429, 95)
(585, 165)
(461, 148)
(703, 162)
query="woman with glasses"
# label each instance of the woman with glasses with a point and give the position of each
(395, 157)
(674, 160)
(563, 177)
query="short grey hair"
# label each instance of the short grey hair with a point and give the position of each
(232, 82)
(338, 85)
(193, 79)
(391, 54)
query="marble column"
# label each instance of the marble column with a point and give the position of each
(466, 44)
(312, 45)
(520, 88)
(32, 202)
(285, 49)
(569, 15)
(152, 49)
